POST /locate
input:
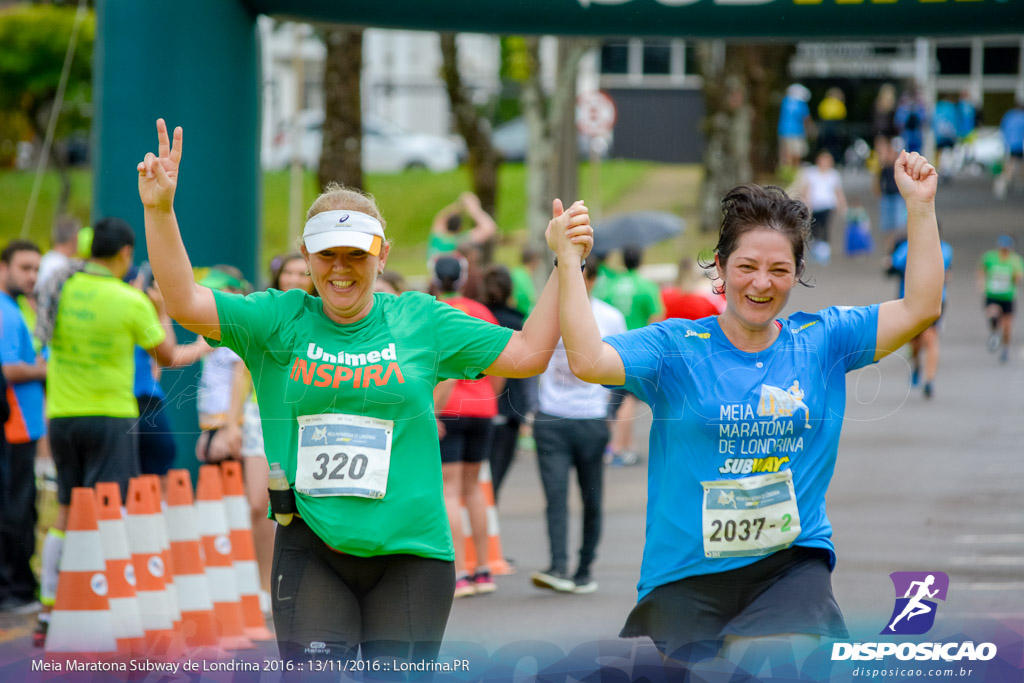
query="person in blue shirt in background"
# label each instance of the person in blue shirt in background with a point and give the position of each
(25, 373)
(1012, 128)
(747, 410)
(794, 122)
(944, 123)
(928, 340)
(911, 119)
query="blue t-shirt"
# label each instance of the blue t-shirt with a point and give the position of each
(145, 383)
(966, 115)
(792, 114)
(722, 414)
(945, 121)
(26, 398)
(899, 262)
(1012, 128)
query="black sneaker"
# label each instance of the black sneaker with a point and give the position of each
(928, 391)
(583, 584)
(553, 580)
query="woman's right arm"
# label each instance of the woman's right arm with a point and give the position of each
(190, 304)
(590, 358)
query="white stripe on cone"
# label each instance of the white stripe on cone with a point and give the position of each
(87, 631)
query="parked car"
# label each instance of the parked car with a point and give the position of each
(510, 138)
(387, 147)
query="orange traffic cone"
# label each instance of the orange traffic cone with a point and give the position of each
(495, 560)
(198, 625)
(124, 605)
(220, 572)
(142, 525)
(81, 622)
(153, 482)
(243, 551)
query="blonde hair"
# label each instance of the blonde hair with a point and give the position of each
(337, 197)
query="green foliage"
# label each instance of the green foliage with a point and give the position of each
(33, 43)
(515, 59)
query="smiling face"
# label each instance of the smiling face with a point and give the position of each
(759, 275)
(345, 279)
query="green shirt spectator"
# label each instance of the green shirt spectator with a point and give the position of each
(638, 298)
(100, 319)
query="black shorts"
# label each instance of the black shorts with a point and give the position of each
(616, 397)
(819, 225)
(329, 605)
(91, 449)
(466, 439)
(787, 592)
(1005, 306)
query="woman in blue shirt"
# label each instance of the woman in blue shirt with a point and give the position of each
(747, 413)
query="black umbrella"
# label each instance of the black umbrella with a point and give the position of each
(639, 228)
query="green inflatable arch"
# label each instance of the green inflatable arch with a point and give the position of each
(196, 63)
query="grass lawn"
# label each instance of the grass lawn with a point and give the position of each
(407, 200)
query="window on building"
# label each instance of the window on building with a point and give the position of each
(954, 61)
(638, 58)
(690, 65)
(615, 58)
(1001, 60)
(657, 58)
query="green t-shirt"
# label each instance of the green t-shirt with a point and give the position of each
(100, 320)
(384, 366)
(635, 296)
(1001, 275)
(524, 294)
(603, 285)
(441, 244)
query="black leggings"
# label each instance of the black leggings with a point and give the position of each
(328, 605)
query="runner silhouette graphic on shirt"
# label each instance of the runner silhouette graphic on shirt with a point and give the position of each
(915, 607)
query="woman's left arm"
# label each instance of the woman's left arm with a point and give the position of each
(901, 320)
(529, 350)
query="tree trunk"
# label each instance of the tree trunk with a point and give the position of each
(341, 155)
(740, 87)
(767, 77)
(552, 166)
(483, 159)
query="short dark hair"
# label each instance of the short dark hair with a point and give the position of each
(763, 207)
(497, 285)
(454, 223)
(632, 256)
(448, 273)
(110, 235)
(14, 246)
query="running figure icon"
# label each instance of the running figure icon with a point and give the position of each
(916, 607)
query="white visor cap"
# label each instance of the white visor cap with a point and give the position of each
(331, 229)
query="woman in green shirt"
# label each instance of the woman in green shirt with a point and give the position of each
(345, 387)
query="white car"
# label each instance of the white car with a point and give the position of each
(387, 148)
